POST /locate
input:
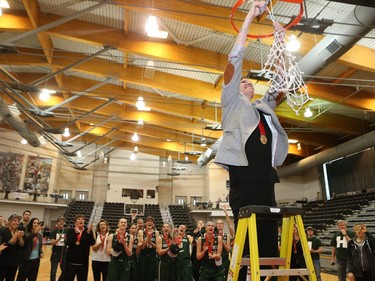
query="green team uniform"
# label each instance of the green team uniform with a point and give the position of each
(209, 270)
(148, 261)
(119, 266)
(167, 265)
(185, 270)
(133, 259)
(225, 255)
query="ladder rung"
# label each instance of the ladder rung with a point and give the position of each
(285, 272)
(266, 261)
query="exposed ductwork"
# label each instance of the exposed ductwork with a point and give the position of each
(357, 24)
(209, 154)
(10, 114)
(342, 150)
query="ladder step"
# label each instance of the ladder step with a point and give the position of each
(266, 261)
(285, 272)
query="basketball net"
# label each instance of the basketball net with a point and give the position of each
(282, 71)
(284, 74)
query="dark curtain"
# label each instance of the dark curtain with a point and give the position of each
(352, 173)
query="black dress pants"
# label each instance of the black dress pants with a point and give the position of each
(247, 193)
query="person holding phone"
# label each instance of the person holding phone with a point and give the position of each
(32, 252)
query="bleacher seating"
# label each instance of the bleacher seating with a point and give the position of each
(78, 207)
(180, 216)
(320, 214)
(112, 212)
(153, 210)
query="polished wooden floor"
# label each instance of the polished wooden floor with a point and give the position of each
(45, 266)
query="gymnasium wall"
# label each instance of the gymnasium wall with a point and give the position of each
(104, 182)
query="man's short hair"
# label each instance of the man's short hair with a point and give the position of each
(26, 211)
(340, 221)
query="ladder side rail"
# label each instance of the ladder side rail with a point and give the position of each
(305, 248)
(254, 252)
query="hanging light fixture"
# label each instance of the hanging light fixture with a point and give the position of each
(293, 44)
(308, 113)
(45, 94)
(141, 105)
(136, 149)
(135, 137)
(66, 132)
(133, 157)
(101, 155)
(140, 123)
(24, 141)
(3, 5)
(152, 28)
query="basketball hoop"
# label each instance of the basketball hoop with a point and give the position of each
(293, 23)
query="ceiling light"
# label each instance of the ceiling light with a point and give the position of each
(169, 158)
(101, 155)
(158, 34)
(152, 28)
(135, 137)
(293, 44)
(24, 141)
(168, 140)
(151, 24)
(133, 157)
(45, 94)
(140, 124)
(203, 144)
(4, 4)
(136, 149)
(141, 105)
(299, 146)
(308, 113)
(105, 160)
(66, 132)
(79, 153)
(292, 141)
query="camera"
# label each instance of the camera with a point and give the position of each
(21, 228)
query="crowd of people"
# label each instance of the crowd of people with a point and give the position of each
(139, 252)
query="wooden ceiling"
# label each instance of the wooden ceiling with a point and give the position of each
(181, 105)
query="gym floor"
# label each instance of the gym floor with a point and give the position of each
(44, 269)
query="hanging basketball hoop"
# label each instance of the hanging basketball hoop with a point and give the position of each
(295, 21)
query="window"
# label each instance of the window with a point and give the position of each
(181, 200)
(150, 193)
(132, 193)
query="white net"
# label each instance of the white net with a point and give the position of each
(284, 74)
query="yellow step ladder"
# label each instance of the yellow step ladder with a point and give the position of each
(247, 224)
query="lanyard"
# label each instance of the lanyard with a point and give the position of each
(263, 137)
